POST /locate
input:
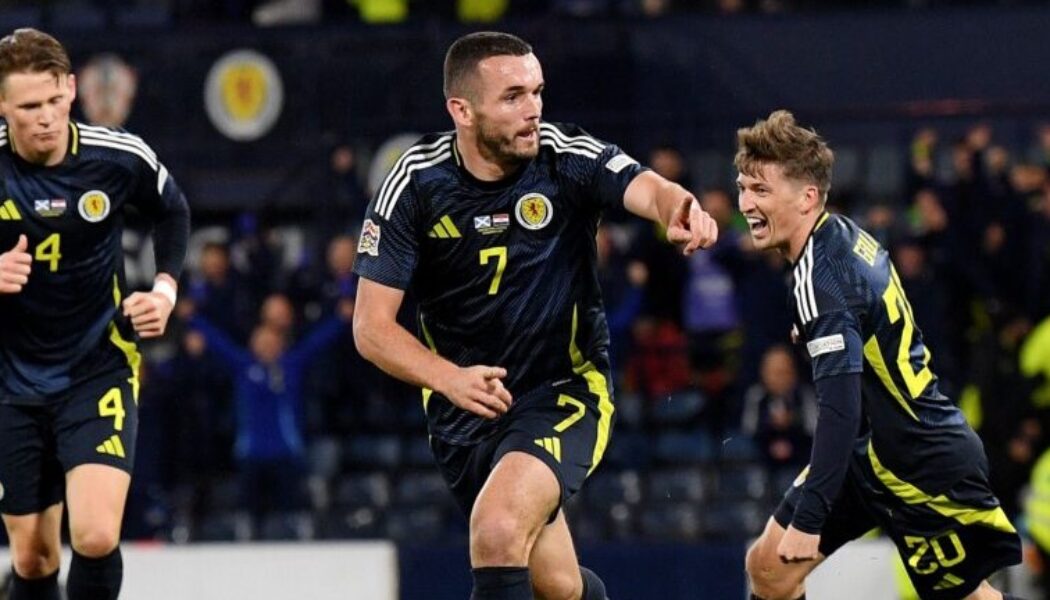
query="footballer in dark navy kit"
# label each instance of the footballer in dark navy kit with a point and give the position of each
(492, 227)
(890, 450)
(68, 355)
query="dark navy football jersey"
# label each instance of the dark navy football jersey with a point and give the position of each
(504, 272)
(64, 327)
(853, 316)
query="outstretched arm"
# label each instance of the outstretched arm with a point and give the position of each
(651, 196)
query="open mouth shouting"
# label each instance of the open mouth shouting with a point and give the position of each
(759, 226)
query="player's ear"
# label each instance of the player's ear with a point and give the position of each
(811, 199)
(460, 111)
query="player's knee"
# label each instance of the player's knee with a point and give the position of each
(35, 562)
(95, 542)
(560, 585)
(498, 539)
(767, 580)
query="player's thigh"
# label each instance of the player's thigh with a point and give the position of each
(510, 511)
(31, 478)
(95, 433)
(553, 565)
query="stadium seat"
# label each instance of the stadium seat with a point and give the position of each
(847, 172)
(630, 411)
(362, 489)
(417, 524)
(225, 494)
(733, 521)
(678, 484)
(608, 488)
(678, 521)
(356, 523)
(885, 176)
(420, 489)
(680, 408)
(745, 482)
(737, 447)
(373, 451)
(323, 456)
(224, 526)
(416, 451)
(685, 447)
(627, 450)
(287, 526)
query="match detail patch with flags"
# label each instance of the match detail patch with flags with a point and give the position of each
(54, 207)
(491, 224)
(619, 162)
(369, 242)
(826, 344)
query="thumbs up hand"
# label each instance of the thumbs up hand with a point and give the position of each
(15, 266)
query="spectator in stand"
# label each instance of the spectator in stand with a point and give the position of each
(219, 294)
(780, 412)
(622, 282)
(268, 381)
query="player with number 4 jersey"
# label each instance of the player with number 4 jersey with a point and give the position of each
(890, 450)
(69, 364)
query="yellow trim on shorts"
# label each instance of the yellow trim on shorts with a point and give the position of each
(993, 518)
(129, 348)
(598, 385)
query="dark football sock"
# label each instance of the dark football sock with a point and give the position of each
(44, 588)
(500, 583)
(95, 578)
(593, 586)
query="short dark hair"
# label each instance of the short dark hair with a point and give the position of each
(29, 50)
(461, 61)
(801, 152)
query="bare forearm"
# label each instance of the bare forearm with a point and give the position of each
(655, 198)
(399, 354)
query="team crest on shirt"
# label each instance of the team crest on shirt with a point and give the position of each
(369, 242)
(93, 206)
(533, 211)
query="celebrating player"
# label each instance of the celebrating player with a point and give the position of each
(68, 360)
(493, 227)
(915, 469)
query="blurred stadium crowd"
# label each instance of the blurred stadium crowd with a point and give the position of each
(715, 410)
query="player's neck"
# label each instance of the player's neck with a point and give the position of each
(479, 166)
(793, 250)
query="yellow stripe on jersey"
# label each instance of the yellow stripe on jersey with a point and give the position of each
(597, 385)
(873, 354)
(450, 227)
(9, 211)
(427, 392)
(993, 518)
(821, 220)
(439, 231)
(74, 138)
(127, 347)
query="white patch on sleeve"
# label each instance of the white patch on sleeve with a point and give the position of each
(824, 345)
(369, 242)
(618, 162)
